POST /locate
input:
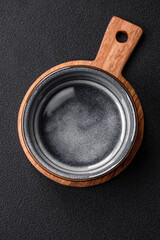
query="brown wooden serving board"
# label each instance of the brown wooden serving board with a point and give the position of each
(111, 59)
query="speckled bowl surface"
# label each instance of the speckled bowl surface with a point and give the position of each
(79, 123)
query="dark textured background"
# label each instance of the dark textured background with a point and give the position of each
(35, 36)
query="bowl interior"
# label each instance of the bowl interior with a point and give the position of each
(79, 123)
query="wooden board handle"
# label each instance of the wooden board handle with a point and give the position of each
(112, 54)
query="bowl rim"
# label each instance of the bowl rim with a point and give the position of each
(108, 81)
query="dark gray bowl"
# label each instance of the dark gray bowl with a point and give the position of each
(79, 123)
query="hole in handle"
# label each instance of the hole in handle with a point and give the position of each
(121, 36)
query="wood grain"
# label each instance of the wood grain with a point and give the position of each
(111, 58)
(113, 55)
